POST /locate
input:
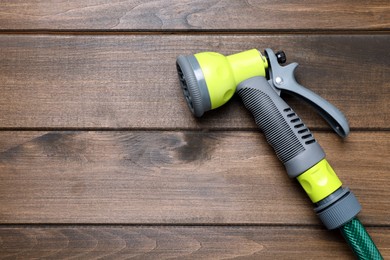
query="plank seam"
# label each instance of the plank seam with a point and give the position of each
(167, 129)
(201, 32)
(53, 225)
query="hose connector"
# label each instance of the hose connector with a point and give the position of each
(338, 208)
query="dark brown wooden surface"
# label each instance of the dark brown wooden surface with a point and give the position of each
(164, 242)
(194, 15)
(100, 157)
(190, 177)
(129, 81)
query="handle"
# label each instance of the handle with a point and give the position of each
(283, 79)
(292, 141)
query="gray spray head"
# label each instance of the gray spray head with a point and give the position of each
(193, 84)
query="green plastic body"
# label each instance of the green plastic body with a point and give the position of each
(223, 73)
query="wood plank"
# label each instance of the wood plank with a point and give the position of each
(194, 15)
(180, 242)
(177, 177)
(130, 81)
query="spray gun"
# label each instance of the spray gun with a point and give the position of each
(210, 79)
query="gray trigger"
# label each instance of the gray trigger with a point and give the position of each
(282, 78)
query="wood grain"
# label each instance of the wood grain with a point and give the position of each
(179, 242)
(194, 15)
(177, 177)
(134, 174)
(130, 81)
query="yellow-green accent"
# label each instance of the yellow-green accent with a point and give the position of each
(319, 181)
(223, 73)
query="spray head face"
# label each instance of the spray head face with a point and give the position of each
(193, 85)
(209, 79)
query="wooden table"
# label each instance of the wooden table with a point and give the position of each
(100, 157)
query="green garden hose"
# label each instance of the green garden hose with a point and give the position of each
(359, 240)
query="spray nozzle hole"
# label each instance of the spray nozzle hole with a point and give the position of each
(183, 84)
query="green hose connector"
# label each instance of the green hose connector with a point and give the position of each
(360, 241)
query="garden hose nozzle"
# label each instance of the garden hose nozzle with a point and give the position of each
(210, 79)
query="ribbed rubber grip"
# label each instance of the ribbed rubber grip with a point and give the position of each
(278, 133)
(292, 141)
